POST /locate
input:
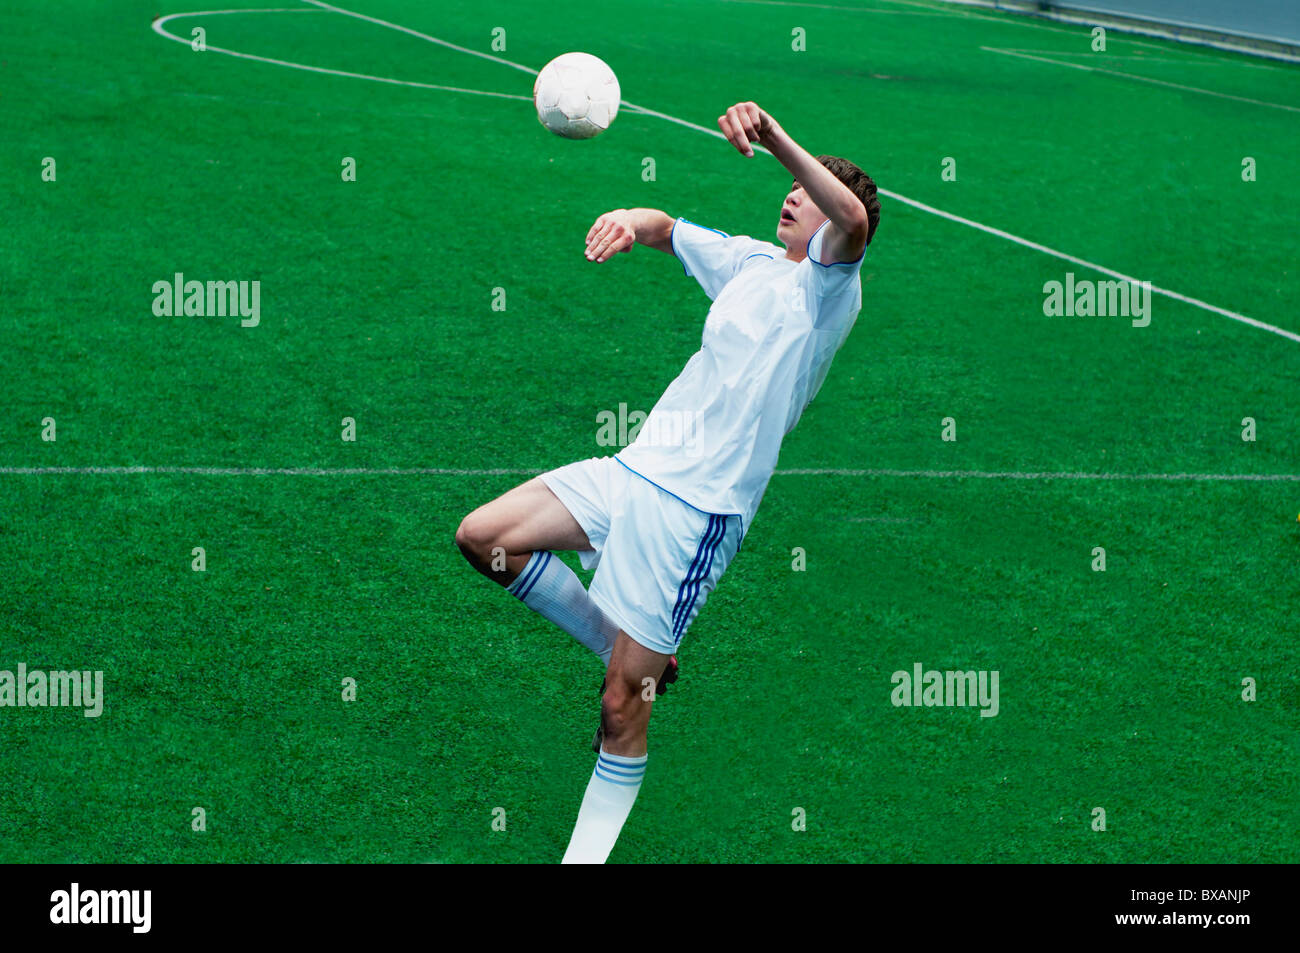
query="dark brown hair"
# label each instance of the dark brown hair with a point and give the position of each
(860, 184)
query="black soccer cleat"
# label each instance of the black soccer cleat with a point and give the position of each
(668, 677)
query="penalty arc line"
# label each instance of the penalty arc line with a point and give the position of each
(895, 196)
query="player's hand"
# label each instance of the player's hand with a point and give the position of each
(745, 123)
(612, 233)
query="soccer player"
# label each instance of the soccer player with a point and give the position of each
(661, 520)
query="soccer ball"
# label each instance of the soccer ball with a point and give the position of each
(576, 96)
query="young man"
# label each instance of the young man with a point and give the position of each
(663, 517)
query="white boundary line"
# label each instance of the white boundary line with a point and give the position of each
(1156, 29)
(1109, 57)
(819, 472)
(162, 21)
(1144, 58)
(1140, 79)
(829, 6)
(949, 12)
(1155, 289)
(1121, 35)
(921, 206)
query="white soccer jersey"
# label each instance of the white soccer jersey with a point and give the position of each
(714, 436)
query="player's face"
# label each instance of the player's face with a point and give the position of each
(800, 218)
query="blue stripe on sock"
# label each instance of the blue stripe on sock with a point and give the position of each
(622, 770)
(613, 780)
(684, 617)
(518, 585)
(541, 571)
(541, 568)
(699, 553)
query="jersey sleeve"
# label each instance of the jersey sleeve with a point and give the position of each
(712, 257)
(834, 291)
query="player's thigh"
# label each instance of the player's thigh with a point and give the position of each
(526, 518)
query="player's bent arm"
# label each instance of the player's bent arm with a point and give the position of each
(846, 236)
(618, 230)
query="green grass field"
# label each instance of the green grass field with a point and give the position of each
(1119, 689)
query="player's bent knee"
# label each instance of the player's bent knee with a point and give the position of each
(475, 538)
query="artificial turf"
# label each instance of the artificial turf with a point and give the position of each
(1119, 689)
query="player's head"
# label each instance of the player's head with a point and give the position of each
(800, 217)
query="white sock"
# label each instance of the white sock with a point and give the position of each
(611, 792)
(553, 590)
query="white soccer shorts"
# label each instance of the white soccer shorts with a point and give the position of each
(656, 557)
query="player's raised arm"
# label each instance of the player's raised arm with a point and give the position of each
(618, 230)
(846, 236)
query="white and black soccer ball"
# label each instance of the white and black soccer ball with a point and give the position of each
(576, 95)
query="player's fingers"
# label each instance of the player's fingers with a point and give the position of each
(594, 240)
(606, 243)
(724, 129)
(742, 136)
(729, 129)
(613, 243)
(595, 227)
(749, 128)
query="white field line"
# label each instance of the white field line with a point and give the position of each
(1143, 58)
(1141, 79)
(1081, 30)
(1050, 475)
(801, 472)
(1155, 289)
(923, 9)
(1105, 57)
(162, 21)
(886, 193)
(1154, 29)
(423, 36)
(262, 471)
(830, 6)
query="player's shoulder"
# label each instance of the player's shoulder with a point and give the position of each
(837, 270)
(736, 250)
(756, 248)
(703, 231)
